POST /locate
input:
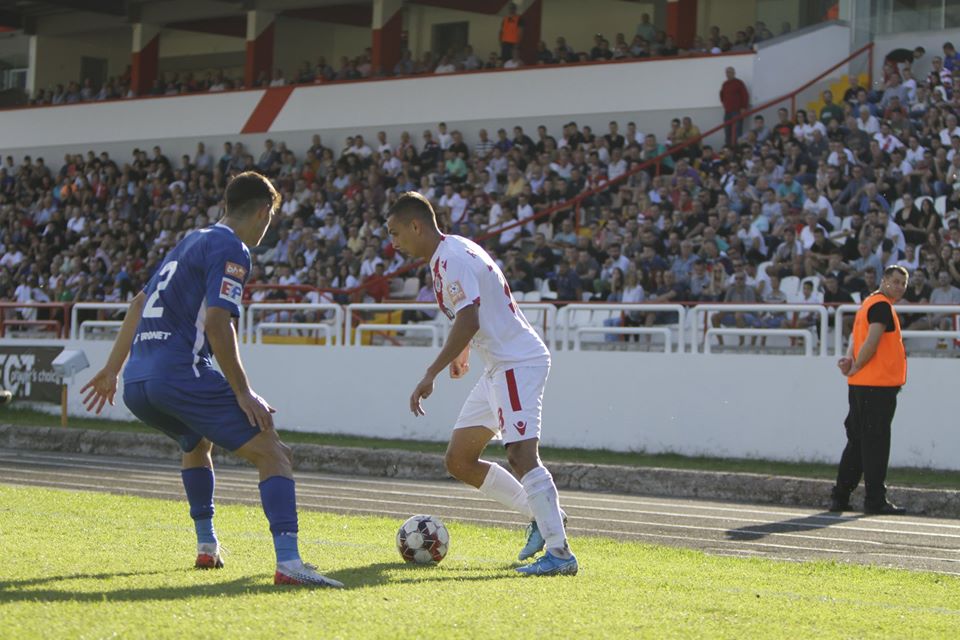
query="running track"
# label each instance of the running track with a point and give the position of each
(731, 529)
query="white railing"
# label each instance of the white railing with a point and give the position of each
(542, 317)
(321, 327)
(560, 329)
(105, 306)
(248, 325)
(903, 309)
(708, 310)
(96, 324)
(635, 331)
(804, 334)
(385, 307)
(432, 329)
(574, 312)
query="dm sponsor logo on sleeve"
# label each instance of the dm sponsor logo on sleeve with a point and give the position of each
(230, 290)
(455, 291)
(235, 270)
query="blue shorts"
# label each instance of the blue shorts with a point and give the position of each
(189, 410)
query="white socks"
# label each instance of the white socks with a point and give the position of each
(545, 505)
(500, 485)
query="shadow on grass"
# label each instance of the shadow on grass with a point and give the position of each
(380, 573)
(793, 525)
(369, 576)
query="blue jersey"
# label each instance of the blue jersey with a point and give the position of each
(207, 269)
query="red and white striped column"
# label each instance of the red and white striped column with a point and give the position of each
(260, 33)
(145, 58)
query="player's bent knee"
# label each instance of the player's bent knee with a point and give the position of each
(264, 447)
(457, 464)
(203, 448)
(523, 456)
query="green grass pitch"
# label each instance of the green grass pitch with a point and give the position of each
(92, 565)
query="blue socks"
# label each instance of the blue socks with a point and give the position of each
(198, 483)
(279, 498)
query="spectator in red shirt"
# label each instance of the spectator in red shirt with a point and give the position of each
(735, 100)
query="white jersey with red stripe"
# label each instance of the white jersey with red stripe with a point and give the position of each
(465, 274)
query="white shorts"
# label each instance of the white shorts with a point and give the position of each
(509, 403)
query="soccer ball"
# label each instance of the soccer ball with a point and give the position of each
(423, 540)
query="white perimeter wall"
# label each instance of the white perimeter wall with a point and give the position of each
(816, 50)
(590, 95)
(776, 407)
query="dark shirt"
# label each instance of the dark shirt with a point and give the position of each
(841, 295)
(882, 313)
(567, 285)
(912, 295)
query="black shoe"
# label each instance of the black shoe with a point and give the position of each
(883, 509)
(839, 501)
(838, 505)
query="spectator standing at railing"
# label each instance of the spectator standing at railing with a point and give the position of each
(511, 32)
(876, 368)
(735, 100)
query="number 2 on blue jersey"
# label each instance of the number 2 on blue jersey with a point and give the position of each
(153, 308)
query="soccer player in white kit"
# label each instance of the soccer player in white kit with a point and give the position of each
(508, 399)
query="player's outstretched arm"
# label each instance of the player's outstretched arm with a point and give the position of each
(223, 341)
(103, 386)
(465, 326)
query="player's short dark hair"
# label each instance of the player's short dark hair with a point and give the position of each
(412, 205)
(248, 192)
(896, 268)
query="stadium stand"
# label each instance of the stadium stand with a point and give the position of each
(809, 208)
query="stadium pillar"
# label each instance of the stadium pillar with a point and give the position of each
(260, 27)
(682, 21)
(145, 59)
(31, 87)
(386, 33)
(532, 15)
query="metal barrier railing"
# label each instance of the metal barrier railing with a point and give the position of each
(96, 324)
(621, 331)
(902, 309)
(547, 324)
(804, 334)
(560, 329)
(248, 318)
(323, 328)
(708, 310)
(385, 307)
(432, 329)
(572, 312)
(98, 306)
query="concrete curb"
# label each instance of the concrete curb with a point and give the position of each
(392, 463)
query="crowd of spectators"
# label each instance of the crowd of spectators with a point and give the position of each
(647, 41)
(869, 180)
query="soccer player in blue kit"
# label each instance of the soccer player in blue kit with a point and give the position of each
(182, 317)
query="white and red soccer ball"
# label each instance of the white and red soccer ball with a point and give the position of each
(423, 540)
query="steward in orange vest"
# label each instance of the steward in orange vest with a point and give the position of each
(511, 31)
(876, 368)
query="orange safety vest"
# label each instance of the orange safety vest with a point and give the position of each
(888, 366)
(510, 29)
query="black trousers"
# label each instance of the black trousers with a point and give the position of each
(868, 441)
